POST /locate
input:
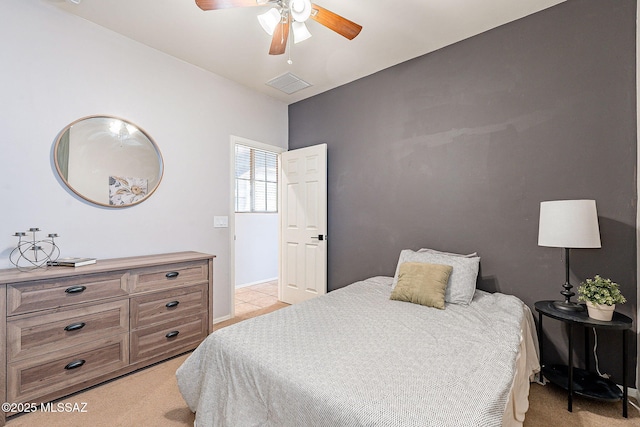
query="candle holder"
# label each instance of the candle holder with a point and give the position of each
(31, 254)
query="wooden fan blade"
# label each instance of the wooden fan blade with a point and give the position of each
(226, 4)
(335, 22)
(280, 37)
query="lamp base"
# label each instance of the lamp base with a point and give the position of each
(568, 306)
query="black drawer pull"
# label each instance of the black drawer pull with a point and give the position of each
(172, 304)
(75, 364)
(172, 334)
(74, 326)
(75, 289)
(171, 275)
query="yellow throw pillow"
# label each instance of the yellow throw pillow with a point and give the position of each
(422, 283)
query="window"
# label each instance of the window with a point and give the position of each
(256, 180)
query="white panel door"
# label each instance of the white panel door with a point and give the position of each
(303, 211)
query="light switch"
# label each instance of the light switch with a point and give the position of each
(220, 221)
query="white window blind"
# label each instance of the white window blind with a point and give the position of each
(256, 180)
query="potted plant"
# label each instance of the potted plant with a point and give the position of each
(601, 296)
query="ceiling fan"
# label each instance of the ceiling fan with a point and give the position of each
(287, 14)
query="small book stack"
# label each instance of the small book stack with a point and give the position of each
(72, 262)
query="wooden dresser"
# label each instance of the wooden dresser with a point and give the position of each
(68, 328)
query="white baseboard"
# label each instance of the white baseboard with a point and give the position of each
(633, 392)
(221, 319)
(257, 282)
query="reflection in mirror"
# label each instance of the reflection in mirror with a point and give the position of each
(108, 161)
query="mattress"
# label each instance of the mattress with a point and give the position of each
(356, 358)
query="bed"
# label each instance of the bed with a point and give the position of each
(355, 357)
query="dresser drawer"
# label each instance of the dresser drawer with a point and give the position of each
(39, 333)
(54, 293)
(169, 276)
(169, 338)
(168, 305)
(42, 375)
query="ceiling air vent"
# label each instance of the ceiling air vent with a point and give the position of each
(288, 83)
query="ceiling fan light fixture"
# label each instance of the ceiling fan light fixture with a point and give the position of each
(300, 32)
(269, 20)
(300, 10)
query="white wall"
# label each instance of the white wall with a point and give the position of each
(57, 68)
(256, 247)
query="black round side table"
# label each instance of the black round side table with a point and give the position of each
(581, 381)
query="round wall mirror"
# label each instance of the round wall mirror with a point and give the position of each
(108, 161)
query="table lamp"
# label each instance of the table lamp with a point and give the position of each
(568, 224)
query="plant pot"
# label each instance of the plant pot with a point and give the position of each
(600, 311)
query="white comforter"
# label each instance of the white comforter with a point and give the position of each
(356, 358)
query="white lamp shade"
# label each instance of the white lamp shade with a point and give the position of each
(300, 31)
(269, 20)
(300, 10)
(569, 224)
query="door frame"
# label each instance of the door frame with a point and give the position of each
(232, 210)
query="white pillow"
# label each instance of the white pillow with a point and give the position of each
(433, 251)
(462, 282)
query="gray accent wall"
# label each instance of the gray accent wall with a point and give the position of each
(456, 149)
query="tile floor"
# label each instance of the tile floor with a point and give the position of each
(253, 301)
(255, 297)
